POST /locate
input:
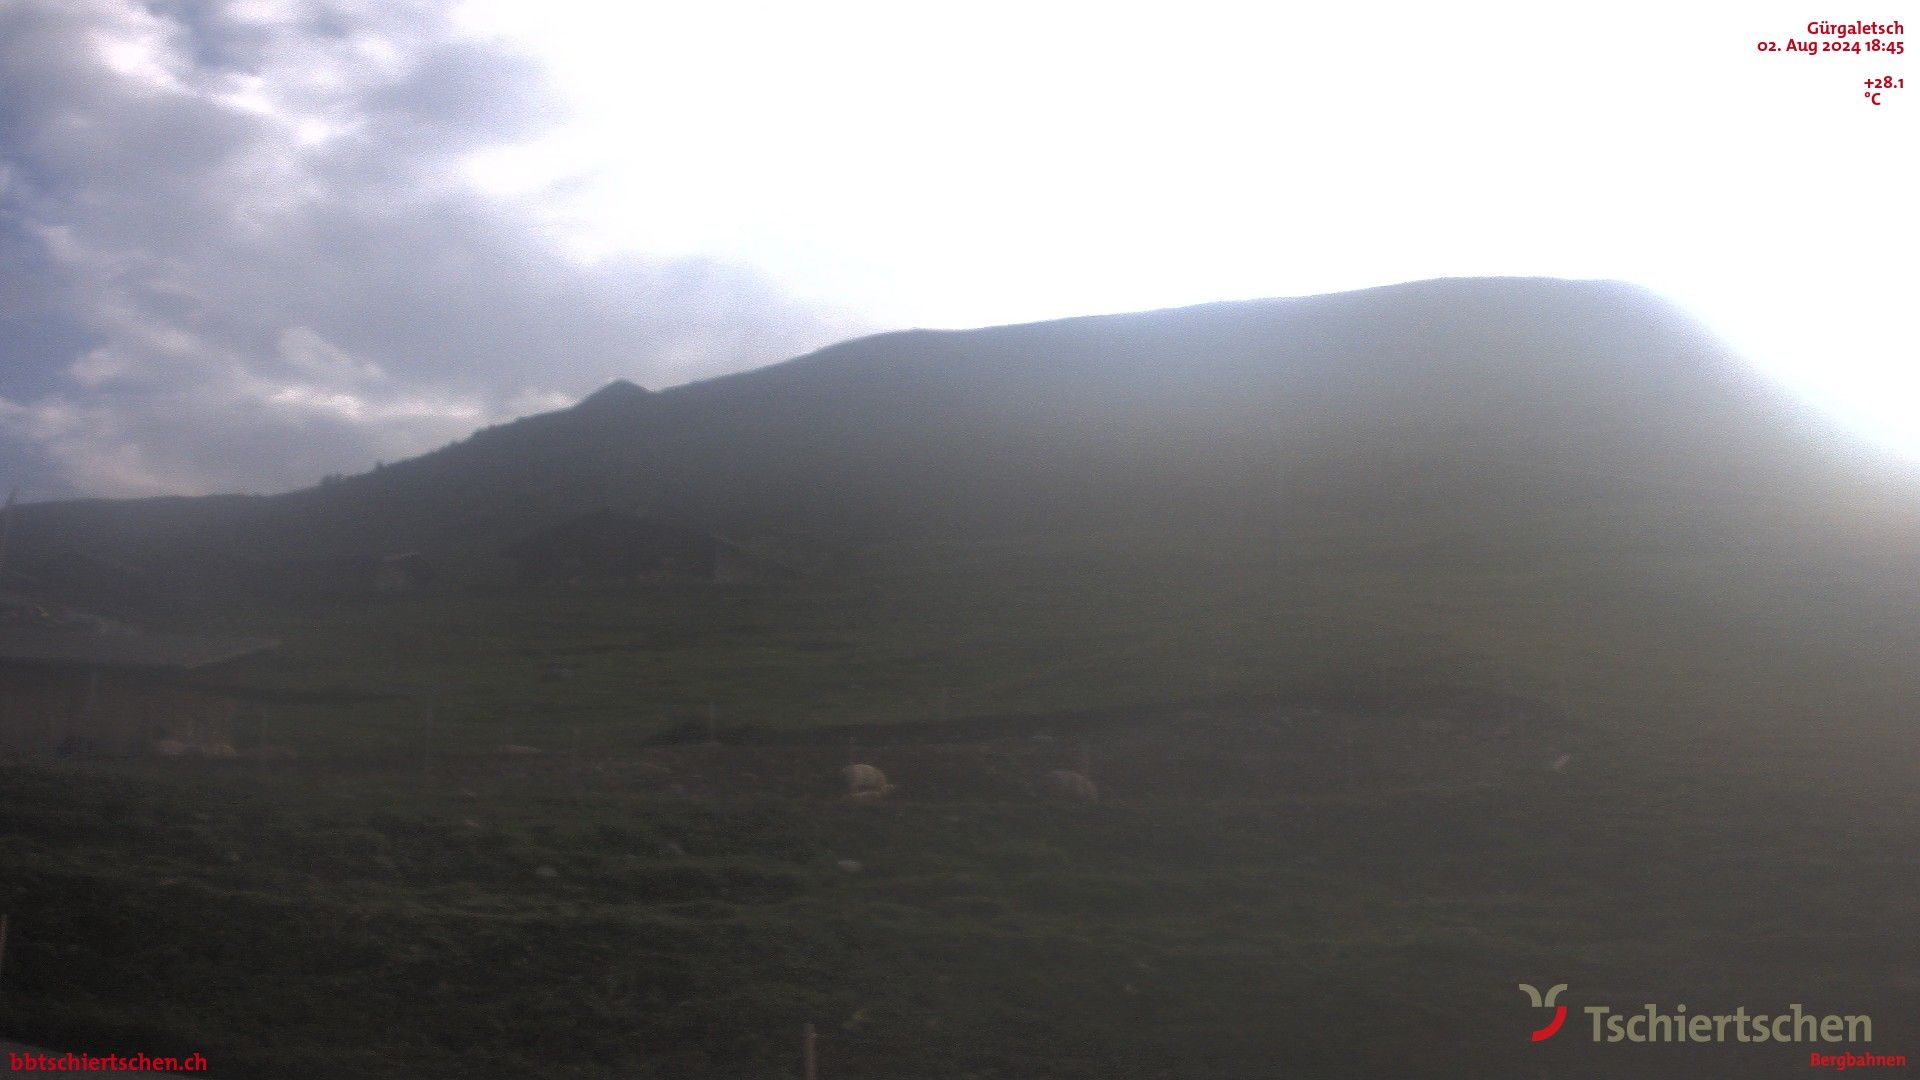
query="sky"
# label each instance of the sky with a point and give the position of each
(246, 244)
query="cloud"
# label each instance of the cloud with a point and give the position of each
(242, 248)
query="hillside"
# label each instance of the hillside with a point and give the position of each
(1420, 641)
(1565, 489)
(1487, 398)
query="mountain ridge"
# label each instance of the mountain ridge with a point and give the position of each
(1447, 396)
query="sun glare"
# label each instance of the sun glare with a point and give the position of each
(1002, 165)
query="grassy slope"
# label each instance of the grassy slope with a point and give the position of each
(385, 927)
(1597, 625)
(1282, 907)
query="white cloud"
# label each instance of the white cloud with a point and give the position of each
(308, 352)
(248, 255)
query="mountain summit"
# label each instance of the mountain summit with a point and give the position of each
(616, 394)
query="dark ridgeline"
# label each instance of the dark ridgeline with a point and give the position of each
(1478, 403)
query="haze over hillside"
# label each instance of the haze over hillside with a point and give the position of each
(1487, 398)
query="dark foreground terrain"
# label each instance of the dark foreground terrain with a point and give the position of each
(1263, 891)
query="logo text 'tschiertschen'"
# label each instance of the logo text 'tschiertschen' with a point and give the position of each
(1652, 1023)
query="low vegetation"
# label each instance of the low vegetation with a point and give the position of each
(1282, 898)
(1343, 812)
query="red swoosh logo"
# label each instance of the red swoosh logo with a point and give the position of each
(1559, 1017)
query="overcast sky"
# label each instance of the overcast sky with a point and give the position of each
(246, 244)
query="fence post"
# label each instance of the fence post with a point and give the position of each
(426, 746)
